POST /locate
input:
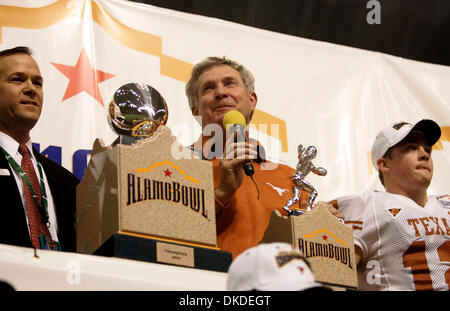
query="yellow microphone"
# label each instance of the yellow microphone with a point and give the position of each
(232, 121)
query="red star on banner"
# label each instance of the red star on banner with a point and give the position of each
(301, 269)
(324, 237)
(168, 173)
(83, 78)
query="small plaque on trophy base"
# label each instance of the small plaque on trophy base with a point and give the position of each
(324, 240)
(146, 249)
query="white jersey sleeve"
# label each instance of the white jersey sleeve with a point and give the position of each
(352, 207)
(404, 246)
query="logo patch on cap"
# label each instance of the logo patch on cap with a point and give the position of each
(285, 257)
(399, 125)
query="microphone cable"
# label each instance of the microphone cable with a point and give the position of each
(256, 185)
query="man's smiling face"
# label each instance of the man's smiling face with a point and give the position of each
(219, 90)
(21, 94)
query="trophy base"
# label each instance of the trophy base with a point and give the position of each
(157, 251)
(323, 239)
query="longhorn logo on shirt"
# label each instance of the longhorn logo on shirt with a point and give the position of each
(394, 211)
(280, 191)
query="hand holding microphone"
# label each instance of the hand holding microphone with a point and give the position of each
(233, 122)
(231, 173)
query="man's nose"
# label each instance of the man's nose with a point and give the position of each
(30, 89)
(221, 92)
(423, 154)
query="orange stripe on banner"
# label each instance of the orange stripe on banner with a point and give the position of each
(175, 68)
(136, 40)
(261, 118)
(445, 135)
(369, 162)
(35, 18)
(143, 42)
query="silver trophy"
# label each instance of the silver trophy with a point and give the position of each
(136, 110)
(304, 167)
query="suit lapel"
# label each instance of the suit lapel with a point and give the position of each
(13, 224)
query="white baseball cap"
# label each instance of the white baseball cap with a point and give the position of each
(396, 132)
(271, 267)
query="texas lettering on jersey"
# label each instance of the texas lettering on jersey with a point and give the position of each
(429, 226)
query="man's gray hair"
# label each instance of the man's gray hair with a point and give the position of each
(207, 63)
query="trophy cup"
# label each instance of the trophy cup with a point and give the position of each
(135, 111)
(137, 201)
(324, 239)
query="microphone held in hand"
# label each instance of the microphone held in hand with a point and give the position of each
(233, 121)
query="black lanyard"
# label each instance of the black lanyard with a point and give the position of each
(18, 169)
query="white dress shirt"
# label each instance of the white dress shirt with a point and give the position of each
(12, 147)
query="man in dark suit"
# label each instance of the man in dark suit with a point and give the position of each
(37, 205)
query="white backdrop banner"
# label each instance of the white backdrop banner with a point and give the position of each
(309, 92)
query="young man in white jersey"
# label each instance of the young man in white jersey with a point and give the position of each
(402, 236)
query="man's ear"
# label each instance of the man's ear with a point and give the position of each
(194, 111)
(253, 100)
(383, 165)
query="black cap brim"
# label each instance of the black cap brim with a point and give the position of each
(430, 130)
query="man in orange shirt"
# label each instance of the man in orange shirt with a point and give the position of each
(243, 210)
